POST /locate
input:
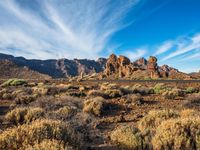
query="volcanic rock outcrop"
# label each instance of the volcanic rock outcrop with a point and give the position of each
(122, 67)
(152, 67)
(119, 66)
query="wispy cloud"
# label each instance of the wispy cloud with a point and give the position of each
(66, 28)
(184, 45)
(164, 48)
(138, 53)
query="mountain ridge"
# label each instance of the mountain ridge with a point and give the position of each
(114, 66)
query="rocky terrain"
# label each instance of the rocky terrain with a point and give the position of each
(9, 70)
(122, 67)
(112, 68)
(61, 68)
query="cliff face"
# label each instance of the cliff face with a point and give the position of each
(122, 67)
(59, 68)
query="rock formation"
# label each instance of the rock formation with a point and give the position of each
(152, 67)
(122, 67)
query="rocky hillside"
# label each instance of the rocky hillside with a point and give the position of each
(112, 68)
(122, 67)
(58, 68)
(10, 70)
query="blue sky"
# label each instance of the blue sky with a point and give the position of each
(167, 29)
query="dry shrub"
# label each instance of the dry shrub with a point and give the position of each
(186, 113)
(94, 106)
(108, 86)
(128, 137)
(178, 134)
(97, 93)
(24, 115)
(135, 99)
(172, 94)
(49, 145)
(7, 96)
(41, 90)
(155, 117)
(23, 98)
(65, 112)
(76, 94)
(39, 130)
(50, 103)
(193, 100)
(114, 93)
(53, 90)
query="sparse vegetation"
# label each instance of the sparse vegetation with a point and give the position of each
(128, 137)
(58, 115)
(14, 82)
(154, 118)
(178, 134)
(24, 115)
(94, 106)
(18, 137)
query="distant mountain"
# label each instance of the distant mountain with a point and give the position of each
(10, 70)
(58, 68)
(112, 68)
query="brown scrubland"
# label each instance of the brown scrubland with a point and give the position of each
(78, 115)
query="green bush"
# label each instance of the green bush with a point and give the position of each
(191, 90)
(14, 82)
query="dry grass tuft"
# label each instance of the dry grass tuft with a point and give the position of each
(94, 106)
(128, 137)
(155, 117)
(24, 115)
(38, 131)
(178, 134)
(48, 145)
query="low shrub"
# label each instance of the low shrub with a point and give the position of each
(41, 90)
(186, 113)
(108, 86)
(178, 134)
(23, 98)
(14, 82)
(114, 93)
(38, 131)
(65, 112)
(76, 94)
(94, 106)
(97, 93)
(159, 88)
(135, 99)
(191, 90)
(24, 115)
(48, 145)
(128, 137)
(193, 100)
(155, 117)
(7, 96)
(173, 94)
